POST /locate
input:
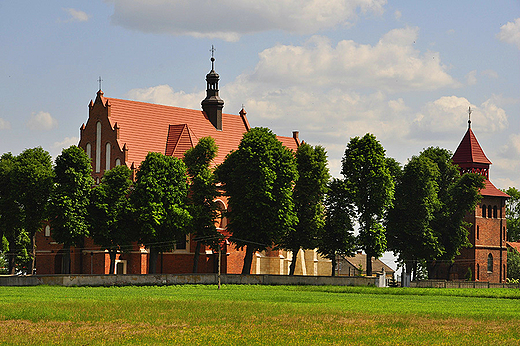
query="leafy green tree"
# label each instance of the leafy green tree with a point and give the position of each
(457, 195)
(371, 188)
(513, 264)
(337, 237)
(202, 194)
(309, 192)
(11, 214)
(110, 212)
(69, 200)
(159, 200)
(409, 230)
(34, 181)
(258, 177)
(513, 214)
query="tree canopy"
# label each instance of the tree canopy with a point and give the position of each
(371, 189)
(159, 200)
(258, 178)
(513, 214)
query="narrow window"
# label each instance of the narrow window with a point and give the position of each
(47, 231)
(483, 210)
(478, 232)
(495, 212)
(98, 147)
(107, 156)
(118, 162)
(478, 272)
(490, 211)
(490, 263)
(88, 149)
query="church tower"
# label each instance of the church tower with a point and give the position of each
(212, 105)
(487, 257)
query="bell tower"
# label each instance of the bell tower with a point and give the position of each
(212, 105)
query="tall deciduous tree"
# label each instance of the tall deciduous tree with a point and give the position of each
(409, 228)
(202, 194)
(258, 178)
(457, 196)
(110, 212)
(34, 181)
(513, 214)
(337, 237)
(159, 199)
(11, 216)
(69, 200)
(513, 264)
(309, 192)
(372, 190)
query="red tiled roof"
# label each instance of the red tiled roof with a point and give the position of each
(146, 127)
(289, 142)
(469, 150)
(490, 190)
(514, 245)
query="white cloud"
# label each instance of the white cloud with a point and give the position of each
(41, 121)
(4, 124)
(471, 77)
(165, 95)
(397, 14)
(449, 114)
(229, 19)
(490, 73)
(66, 142)
(510, 33)
(76, 15)
(393, 64)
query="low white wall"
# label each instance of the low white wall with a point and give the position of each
(181, 279)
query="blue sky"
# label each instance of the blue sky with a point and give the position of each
(404, 70)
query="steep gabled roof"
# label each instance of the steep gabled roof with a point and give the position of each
(490, 190)
(469, 151)
(146, 127)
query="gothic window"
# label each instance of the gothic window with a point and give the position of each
(118, 162)
(490, 263)
(47, 231)
(495, 213)
(98, 147)
(490, 211)
(483, 210)
(478, 272)
(107, 156)
(88, 149)
(478, 232)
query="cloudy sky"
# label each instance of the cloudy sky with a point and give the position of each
(405, 70)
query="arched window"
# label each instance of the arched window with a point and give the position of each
(107, 156)
(478, 232)
(47, 231)
(483, 210)
(221, 221)
(88, 149)
(495, 212)
(490, 211)
(98, 147)
(490, 263)
(118, 162)
(477, 274)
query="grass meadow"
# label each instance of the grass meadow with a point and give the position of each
(258, 315)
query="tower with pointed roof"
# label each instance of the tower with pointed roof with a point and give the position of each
(487, 256)
(212, 105)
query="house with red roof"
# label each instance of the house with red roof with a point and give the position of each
(123, 132)
(487, 256)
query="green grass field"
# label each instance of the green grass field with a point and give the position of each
(258, 315)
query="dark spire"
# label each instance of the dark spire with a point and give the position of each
(212, 105)
(469, 117)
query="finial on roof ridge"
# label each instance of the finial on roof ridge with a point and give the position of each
(212, 50)
(469, 117)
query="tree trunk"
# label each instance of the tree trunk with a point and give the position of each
(112, 254)
(152, 260)
(369, 264)
(292, 267)
(33, 259)
(11, 255)
(248, 260)
(196, 258)
(333, 266)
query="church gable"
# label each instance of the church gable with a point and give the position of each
(180, 139)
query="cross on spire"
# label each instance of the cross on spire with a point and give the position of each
(212, 50)
(99, 81)
(469, 117)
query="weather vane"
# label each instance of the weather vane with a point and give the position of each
(469, 116)
(212, 50)
(99, 81)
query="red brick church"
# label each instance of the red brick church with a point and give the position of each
(122, 132)
(487, 256)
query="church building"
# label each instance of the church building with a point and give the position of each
(487, 256)
(123, 132)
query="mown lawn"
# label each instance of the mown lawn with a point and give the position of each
(258, 315)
